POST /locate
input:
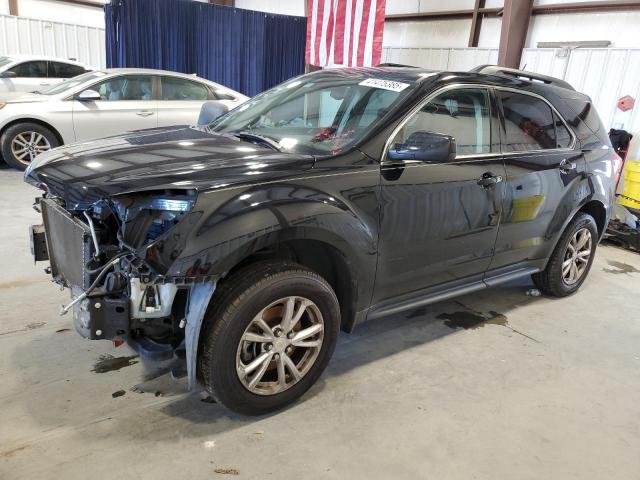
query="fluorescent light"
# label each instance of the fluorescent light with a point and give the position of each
(93, 164)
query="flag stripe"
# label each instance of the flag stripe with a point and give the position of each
(378, 31)
(364, 27)
(338, 45)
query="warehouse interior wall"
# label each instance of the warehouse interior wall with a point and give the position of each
(58, 11)
(281, 7)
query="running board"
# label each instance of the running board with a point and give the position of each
(421, 301)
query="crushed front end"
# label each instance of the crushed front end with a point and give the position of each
(113, 255)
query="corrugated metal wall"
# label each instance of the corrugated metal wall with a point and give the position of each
(42, 37)
(605, 74)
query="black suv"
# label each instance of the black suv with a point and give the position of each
(245, 245)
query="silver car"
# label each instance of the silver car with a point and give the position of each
(99, 104)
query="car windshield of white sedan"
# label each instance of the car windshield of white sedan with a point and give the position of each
(319, 117)
(4, 61)
(73, 82)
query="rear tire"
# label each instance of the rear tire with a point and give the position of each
(572, 258)
(234, 338)
(22, 142)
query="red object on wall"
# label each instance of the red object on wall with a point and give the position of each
(626, 103)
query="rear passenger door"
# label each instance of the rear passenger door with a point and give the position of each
(180, 101)
(544, 169)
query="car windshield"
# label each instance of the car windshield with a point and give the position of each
(72, 82)
(4, 61)
(317, 115)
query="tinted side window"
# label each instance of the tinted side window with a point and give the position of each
(463, 114)
(529, 123)
(30, 69)
(180, 89)
(132, 87)
(64, 70)
(563, 137)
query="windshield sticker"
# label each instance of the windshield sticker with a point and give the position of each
(384, 84)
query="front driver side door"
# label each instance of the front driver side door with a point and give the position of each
(440, 217)
(126, 103)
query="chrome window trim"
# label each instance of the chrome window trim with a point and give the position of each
(502, 153)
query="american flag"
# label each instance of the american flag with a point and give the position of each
(344, 32)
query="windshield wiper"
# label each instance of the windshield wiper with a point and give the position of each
(246, 135)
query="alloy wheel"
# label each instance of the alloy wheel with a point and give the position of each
(280, 345)
(27, 145)
(576, 258)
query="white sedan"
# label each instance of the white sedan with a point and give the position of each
(26, 73)
(99, 104)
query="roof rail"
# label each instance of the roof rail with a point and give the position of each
(395, 65)
(522, 74)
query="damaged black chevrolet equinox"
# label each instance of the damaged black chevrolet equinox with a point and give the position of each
(245, 244)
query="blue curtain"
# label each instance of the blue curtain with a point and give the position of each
(245, 50)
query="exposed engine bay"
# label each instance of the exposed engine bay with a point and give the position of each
(111, 256)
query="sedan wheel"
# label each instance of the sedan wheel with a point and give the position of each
(27, 145)
(280, 345)
(21, 143)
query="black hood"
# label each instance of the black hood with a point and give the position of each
(158, 159)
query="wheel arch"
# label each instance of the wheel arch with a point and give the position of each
(321, 256)
(32, 120)
(598, 211)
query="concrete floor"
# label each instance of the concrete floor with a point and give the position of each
(550, 391)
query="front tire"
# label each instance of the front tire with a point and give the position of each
(268, 336)
(572, 258)
(21, 143)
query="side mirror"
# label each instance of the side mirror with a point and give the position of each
(425, 147)
(88, 96)
(8, 74)
(210, 111)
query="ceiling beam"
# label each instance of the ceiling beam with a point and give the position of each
(601, 6)
(598, 6)
(84, 3)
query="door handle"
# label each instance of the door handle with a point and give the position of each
(489, 180)
(144, 113)
(566, 166)
(44, 84)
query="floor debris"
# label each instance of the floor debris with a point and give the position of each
(117, 394)
(227, 471)
(533, 292)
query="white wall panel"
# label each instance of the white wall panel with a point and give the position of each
(456, 59)
(621, 28)
(57, 11)
(42, 37)
(427, 33)
(281, 7)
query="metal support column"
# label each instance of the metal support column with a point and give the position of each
(515, 24)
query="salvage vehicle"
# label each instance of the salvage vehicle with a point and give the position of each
(102, 103)
(245, 245)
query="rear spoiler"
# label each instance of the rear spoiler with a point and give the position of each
(521, 74)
